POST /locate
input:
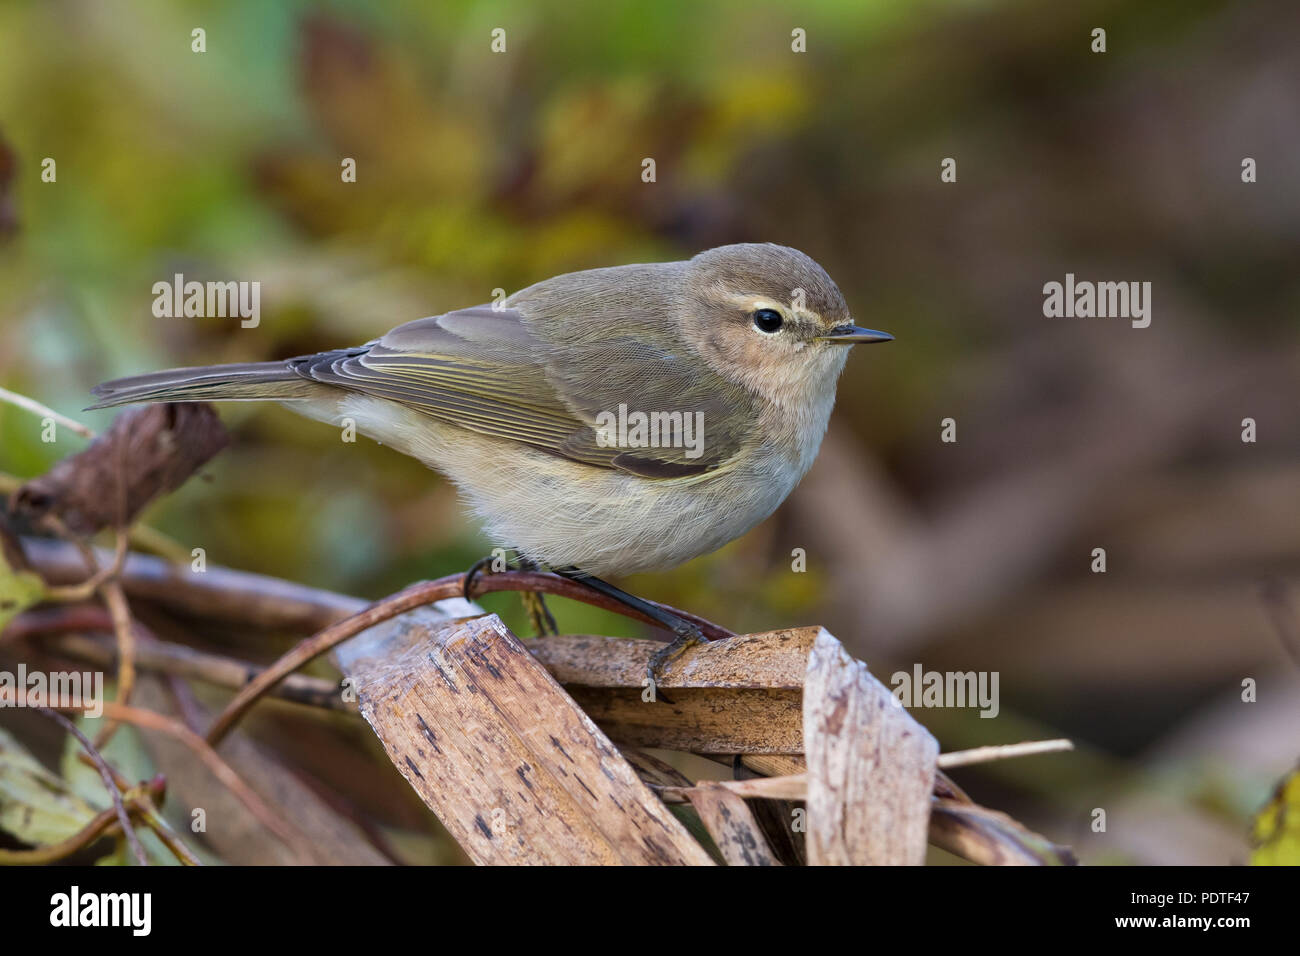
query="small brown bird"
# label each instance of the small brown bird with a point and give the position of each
(600, 422)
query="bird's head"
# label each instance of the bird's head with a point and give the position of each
(770, 318)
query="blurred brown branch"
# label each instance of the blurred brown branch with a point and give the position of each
(63, 624)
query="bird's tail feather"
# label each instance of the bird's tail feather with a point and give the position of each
(248, 382)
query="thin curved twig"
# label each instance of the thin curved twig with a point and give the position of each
(284, 830)
(1032, 748)
(123, 818)
(138, 801)
(44, 411)
(124, 630)
(118, 608)
(110, 591)
(53, 852)
(150, 720)
(169, 837)
(84, 590)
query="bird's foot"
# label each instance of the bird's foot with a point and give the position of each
(475, 569)
(539, 615)
(687, 635)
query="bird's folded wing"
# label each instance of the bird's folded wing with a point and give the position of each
(483, 369)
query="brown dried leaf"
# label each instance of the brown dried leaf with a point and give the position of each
(740, 695)
(871, 767)
(992, 838)
(731, 825)
(513, 768)
(158, 447)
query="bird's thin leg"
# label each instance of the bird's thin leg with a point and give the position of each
(535, 604)
(685, 634)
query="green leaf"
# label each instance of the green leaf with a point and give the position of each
(1275, 835)
(19, 590)
(36, 806)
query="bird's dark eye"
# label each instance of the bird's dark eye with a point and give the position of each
(767, 320)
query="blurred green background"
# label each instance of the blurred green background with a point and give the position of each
(478, 171)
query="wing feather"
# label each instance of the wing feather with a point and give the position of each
(484, 369)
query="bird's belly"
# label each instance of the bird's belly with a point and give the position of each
(614, 523)
(626, 527)
(563, 513)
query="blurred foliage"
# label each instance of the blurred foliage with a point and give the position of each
(476, 171)
(479, 171)
(1276, 834)
(19, 590)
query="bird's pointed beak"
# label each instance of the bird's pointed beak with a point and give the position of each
(854, 335)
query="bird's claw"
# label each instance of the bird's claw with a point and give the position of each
(538, 613)
(687, 637)
(475, 569)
